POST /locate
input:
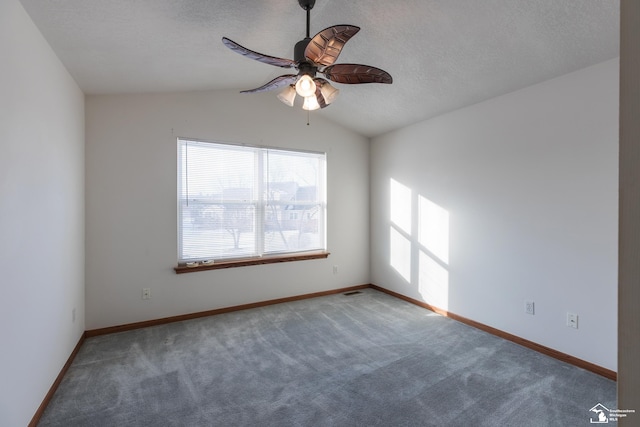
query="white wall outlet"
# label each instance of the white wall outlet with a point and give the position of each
(572, 320)
(146, 293)
(529, 307)
(335, 269)
(73, 315)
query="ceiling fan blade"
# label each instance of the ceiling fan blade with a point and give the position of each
(276, 83)
(325, 46)
(356, 74)
(271, 60)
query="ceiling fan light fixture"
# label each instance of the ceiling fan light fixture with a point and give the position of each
(288, 96)
(310, 103)
(313, 55)
(305, 86)
(329, 93)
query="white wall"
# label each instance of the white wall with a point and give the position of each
(131, 203)
(529, 181)
(41, 215)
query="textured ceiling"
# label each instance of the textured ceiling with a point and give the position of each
(442, 54)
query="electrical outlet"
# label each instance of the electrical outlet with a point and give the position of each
(146, 293)
(529, 307)
(73, 315)
(335, 269)
(572, 320)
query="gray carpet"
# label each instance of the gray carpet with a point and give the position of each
(363, 360)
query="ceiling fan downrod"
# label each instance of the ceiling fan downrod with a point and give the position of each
(301, 46)
(307, 5)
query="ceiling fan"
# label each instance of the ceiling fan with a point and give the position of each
(312, 56)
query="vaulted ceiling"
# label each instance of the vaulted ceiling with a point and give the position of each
(442, 54)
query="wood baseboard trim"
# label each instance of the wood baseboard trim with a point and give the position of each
(607, 373)
(47, 398)
(179, 318)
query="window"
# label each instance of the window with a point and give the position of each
(242, 202)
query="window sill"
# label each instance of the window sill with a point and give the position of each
(243, 262)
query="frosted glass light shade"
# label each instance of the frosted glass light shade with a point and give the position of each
(288, 96)
(305, 86)
(329, 93)
(310, 103)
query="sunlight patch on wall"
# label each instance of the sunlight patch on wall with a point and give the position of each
(400, 214)
(400, 254)
(400, 206)
(433, 228)
(433, 239)
(419, 230)
(433, 282)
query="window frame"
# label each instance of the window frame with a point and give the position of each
(260, 201)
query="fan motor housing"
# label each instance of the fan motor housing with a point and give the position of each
(298, 50)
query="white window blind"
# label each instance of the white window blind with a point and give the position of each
(237, 201)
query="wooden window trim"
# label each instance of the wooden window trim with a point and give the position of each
(244, 262)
